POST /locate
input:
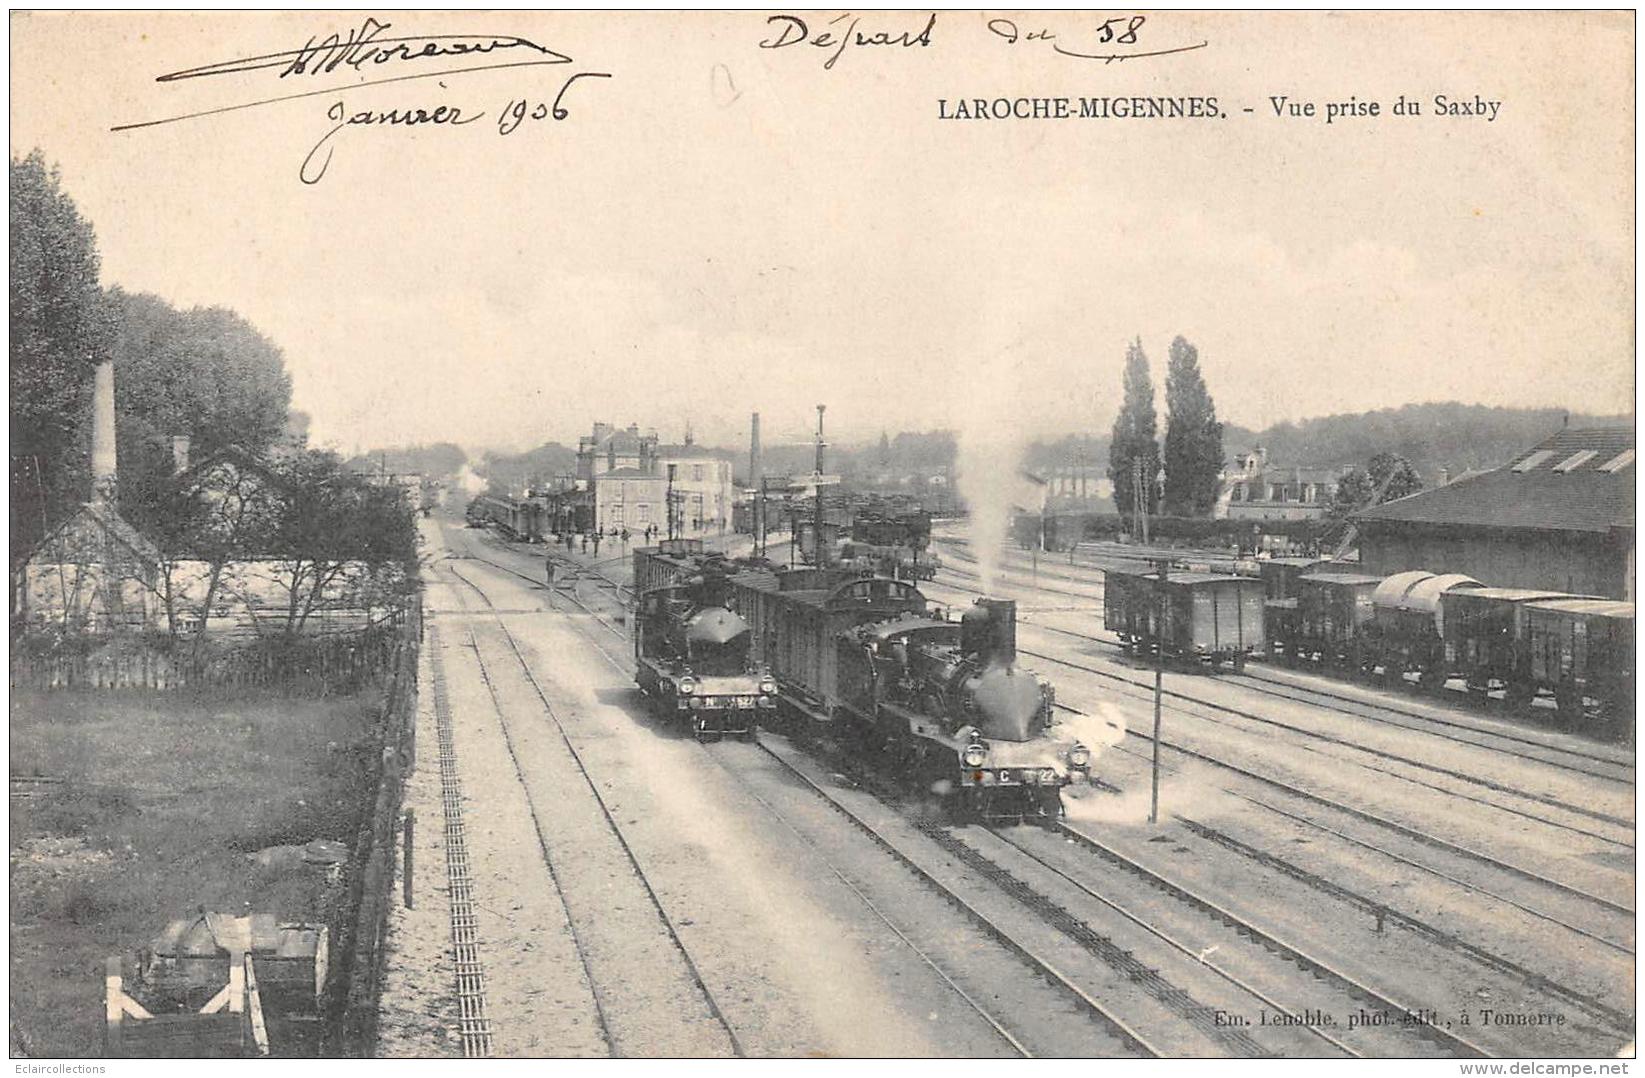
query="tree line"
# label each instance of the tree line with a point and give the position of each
(204, 373)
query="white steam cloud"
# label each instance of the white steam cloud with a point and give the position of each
(993, 431)
(469, 481)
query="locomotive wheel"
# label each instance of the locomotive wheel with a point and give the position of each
(1050, 807)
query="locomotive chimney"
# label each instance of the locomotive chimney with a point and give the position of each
(1002, 631)
(105, 462)
(989, 632)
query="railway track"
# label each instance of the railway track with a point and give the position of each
(1597, 764)
(1619, 915)
(1241, 951)
(1143, 689)
(699, 986)
(1447, 1041)
(1124, 1039)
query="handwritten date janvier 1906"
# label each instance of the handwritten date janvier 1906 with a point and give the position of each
(509, 119)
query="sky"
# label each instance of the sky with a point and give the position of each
(719, 228)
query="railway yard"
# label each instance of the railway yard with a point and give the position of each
(1339, 868)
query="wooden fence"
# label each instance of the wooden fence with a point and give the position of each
(357, 966)
(319, 664)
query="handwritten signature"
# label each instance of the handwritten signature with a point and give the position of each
(364, 50)
(362, 47)
(510, 117)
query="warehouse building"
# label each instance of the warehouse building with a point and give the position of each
(1559, 517)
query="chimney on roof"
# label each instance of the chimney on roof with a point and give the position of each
(1444, 477)
(179, 452)
(105, 458)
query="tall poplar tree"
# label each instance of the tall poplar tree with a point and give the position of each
(1193, 437)
(1134, 435)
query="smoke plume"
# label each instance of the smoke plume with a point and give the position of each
(993, 432)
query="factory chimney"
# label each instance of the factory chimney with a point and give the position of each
(754, 451)
(105, 462)
(179, 452)
(821, 445)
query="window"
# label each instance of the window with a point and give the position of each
(1533, 460)
(616, 514)
(644, 516)
(1575, 460)
(696, 473)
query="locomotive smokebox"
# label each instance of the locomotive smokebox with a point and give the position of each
(988, 631)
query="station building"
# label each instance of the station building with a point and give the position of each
(627, 474)
(1258, 490)
(1559, 517)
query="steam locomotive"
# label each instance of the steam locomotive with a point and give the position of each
(691, 653)
(865, 662)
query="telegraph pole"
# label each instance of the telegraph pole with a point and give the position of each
(817, 521)
(1163, 567)
(668, 498)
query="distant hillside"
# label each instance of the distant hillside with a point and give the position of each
(1445, 435)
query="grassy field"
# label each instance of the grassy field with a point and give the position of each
(162, 799)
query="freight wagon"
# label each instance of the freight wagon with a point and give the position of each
(1407, 630)
(1487, 640)
(1445, 625)
(1583, 649)
(1280, 591)
(1207, 616)
(1333, 608)
(524, 519)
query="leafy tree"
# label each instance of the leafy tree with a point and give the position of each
(1360, 488)
(340, 537)
(1193, 437)
(205, 373)
(1134, 435)
(60, 331)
